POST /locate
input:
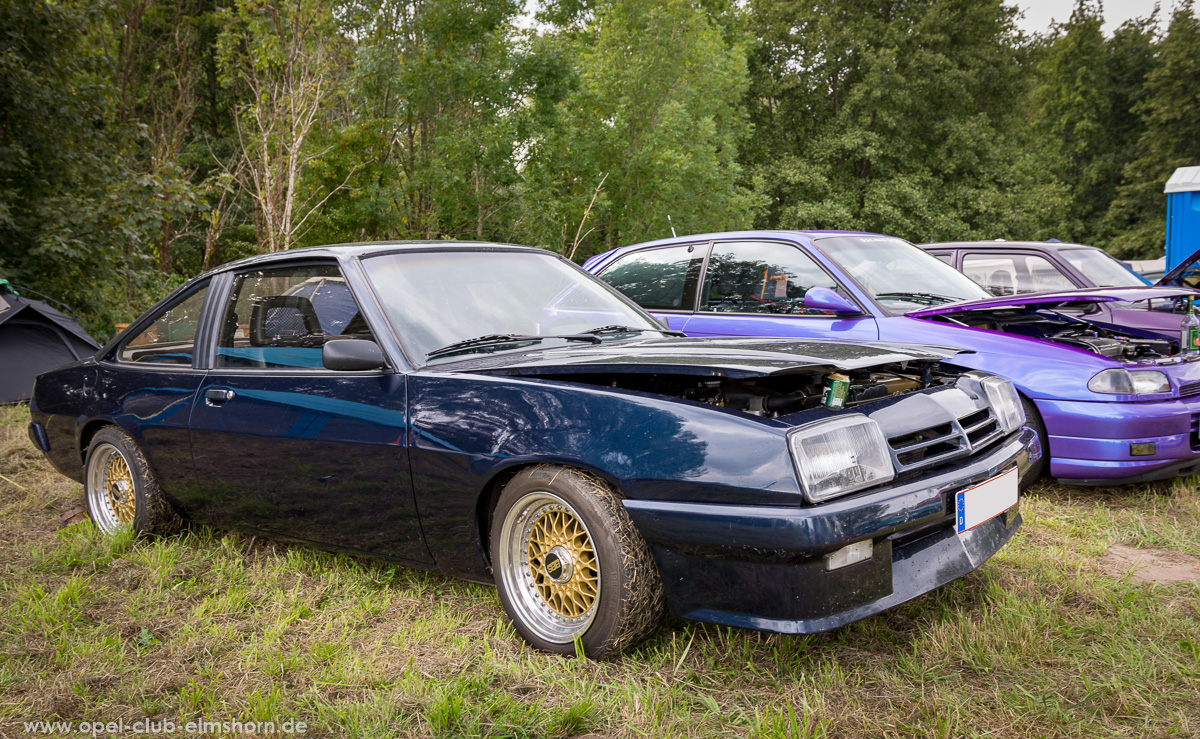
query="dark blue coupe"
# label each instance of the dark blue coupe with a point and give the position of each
(495, 413)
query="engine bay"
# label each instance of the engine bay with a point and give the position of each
(777, 395)
(1068, 330)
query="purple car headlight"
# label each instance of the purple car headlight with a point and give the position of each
(839, 456)
(1005, 402)
(1124, 382)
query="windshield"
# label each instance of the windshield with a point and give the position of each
(1101, 269)
(899, 276)
(437, 298)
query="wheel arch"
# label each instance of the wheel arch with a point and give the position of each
(485, 504)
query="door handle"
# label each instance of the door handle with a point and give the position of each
(217, 395)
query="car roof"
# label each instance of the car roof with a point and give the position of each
(1003, 245)
(366, 248)
(728, 236)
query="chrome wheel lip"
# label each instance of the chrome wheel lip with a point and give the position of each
(532, 610)
(99, 504)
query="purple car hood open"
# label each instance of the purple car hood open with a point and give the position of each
(1055, 300)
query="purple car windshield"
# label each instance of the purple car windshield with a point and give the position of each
(436, 298)
(1101, 269)
(897, 275)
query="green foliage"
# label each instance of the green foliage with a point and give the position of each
(1171, 114)
(896, 117)
(142, 141)
(655, 115)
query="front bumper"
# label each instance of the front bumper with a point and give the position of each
(764, 567)
(1090, 442)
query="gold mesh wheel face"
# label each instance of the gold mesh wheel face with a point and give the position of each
(119, 489)
(562, 562)
(111, 491)
(549, 568)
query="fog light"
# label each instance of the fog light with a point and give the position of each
(1143, 449)
(848, 555)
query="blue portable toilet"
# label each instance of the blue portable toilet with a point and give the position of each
(1183, 215)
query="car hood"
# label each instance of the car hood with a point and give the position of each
(726, 357)
(1056, 300)
(1174, 276)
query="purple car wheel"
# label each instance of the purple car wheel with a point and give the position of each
(569, 564)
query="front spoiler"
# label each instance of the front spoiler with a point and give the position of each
(763, 567)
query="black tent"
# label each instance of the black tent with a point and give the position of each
(35, 338)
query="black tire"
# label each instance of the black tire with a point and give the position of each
(611, 598)
(120, 488)
(1033, 420)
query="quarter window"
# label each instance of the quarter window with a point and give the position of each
(663, 279)
(760, 277)
(171, 339)
(1015, 274)
(281, 318)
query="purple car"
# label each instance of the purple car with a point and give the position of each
(1110, 405)
(1034, 267)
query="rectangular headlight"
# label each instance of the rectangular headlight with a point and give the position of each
(839, 456)
(1005, 402)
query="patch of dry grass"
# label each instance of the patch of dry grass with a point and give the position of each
(1041, 641)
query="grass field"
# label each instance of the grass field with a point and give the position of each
(1055, 636)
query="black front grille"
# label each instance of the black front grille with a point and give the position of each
(944, 442)
(1192, 388)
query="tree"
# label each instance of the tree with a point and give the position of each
(894, 116)
(285, 58)
(1170, 112)
(655, 114)
(437, 90)
(77, 216)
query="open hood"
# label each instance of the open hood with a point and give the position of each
(1077, 298)
(725, 357)
(1184, 274)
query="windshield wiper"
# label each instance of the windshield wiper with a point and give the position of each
(490, 339)
(929, 298)
(617, 328)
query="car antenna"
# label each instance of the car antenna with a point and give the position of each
(673, 234)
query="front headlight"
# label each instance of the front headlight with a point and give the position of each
(1005, 402)
(839, 456)
(1124, 382)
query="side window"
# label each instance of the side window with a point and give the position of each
(281, 318)
(659, 278)
(1045, 277)
(760, 277)
(171, 339)
(1015, 274)
(947, 257)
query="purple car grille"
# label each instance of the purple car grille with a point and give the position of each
(1192, 388)
(944, 442)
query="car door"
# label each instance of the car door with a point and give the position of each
(284, 445)
(662, 280)
(757, 288)
(152, 377)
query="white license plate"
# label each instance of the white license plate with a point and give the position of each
(986, 500)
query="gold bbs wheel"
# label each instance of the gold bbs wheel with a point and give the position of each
(112, 498)
(562, 561)
(570, 567)
(120, 489)
(550, 566)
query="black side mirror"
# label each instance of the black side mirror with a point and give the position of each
(349, 355)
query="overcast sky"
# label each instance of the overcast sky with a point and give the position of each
(1039, 14)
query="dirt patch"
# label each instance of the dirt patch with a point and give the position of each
(1158, 566)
